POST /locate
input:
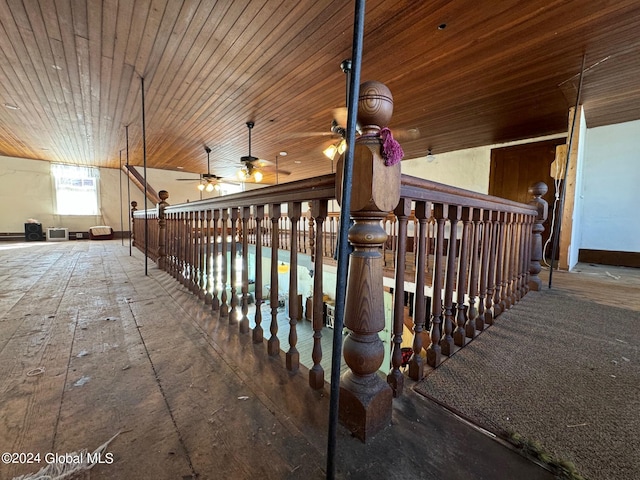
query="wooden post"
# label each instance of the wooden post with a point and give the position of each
(224, 307)
(365, 399)
(459, 334)
(537, 190)
(416, 363)
(208, 298)
(244, 321)
(395, 378)
(134, 208)
(162, 229)
(434, 351)
(233, 289)
(454, 213)
(319, 213)
(273, 344)
(258, 332)
(293, 356)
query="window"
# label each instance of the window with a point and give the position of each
(76, 189)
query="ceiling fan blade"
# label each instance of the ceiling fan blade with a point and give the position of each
(341, 115)
(309, 134)
(405, 134)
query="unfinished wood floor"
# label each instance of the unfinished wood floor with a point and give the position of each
(106, 338)
(90, 346)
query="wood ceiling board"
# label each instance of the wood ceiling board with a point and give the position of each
(211, 66)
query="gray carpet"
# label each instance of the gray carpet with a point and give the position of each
(559, 370)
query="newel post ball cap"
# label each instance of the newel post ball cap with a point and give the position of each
(375, 104)
(163, 194)
(134, 204)
(538, 189)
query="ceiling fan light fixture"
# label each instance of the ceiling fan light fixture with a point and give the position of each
(330, 151)
(257, 176)
(201, 186)
(209, 187)
(342, 146)
(430, 156)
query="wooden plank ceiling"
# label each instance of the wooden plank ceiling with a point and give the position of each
(71, 70)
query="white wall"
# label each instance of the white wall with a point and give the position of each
(576, 230)
(467, 169)
(27, 191)
(611, 188)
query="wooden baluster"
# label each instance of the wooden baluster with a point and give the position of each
(273, 344)
(184, 276)
(517, 261)
(215, 263)
(540, 204)
(204, 258)
(168, 243)
(318, 215)
(312, 234)
(162, 230)
(302, 235)
(224, 307)
(395, 378)
(244, 321)
(509, 248)
(202, 275)
(433, 350)
(446, 343)
(459, 335)
(527, 257)
(472, 314)
(233, 290)
(513, 256)
(497, 293)
(193, 252)
(178, 245)
(491, 273)
(293, 356)
(258, 333)
(416, 363)
(185, 249)
(505, 301)
(485, 225)
(208, 297)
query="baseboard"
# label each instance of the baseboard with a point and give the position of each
(610, 257)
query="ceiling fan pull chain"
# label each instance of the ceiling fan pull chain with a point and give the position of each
(391, 150)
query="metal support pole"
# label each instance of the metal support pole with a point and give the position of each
(126, 130)
(121, 217)
(343, 241)
(144, 163)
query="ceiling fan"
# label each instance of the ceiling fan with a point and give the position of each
(340, 120)
(252, 168)
(208, 181)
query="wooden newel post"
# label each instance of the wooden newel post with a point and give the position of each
(537, 190)
(365, 398)
(162, 229)
(134, 209)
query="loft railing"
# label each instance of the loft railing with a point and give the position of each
(467, 257)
